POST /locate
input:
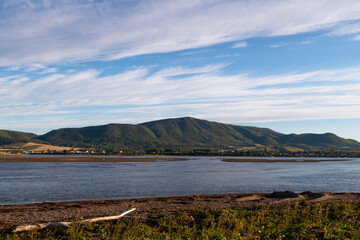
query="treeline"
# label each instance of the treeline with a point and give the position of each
(200, 152)
(255, 153)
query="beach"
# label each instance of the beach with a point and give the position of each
(147, 208)
(84, 158)
(285, 160)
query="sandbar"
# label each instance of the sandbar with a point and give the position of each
(26, 158)
(285, 160)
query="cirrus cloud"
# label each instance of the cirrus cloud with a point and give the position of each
(140, 94)
(43, 32)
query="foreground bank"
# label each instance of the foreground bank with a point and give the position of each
(278, 215)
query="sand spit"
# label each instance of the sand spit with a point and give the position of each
(26, 158)
(40, 213)
(285, 160)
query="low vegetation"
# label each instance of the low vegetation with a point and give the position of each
(302, 220)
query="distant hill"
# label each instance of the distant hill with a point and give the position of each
(11, 137)
(319, 141)
(190, 133)
(111, 136)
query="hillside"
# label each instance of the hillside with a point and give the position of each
(191, 133)
(319, 141)
(11, 137)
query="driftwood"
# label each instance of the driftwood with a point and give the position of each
(67, 224)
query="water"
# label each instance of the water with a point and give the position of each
(54, 181)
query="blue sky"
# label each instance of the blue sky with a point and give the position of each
(289, 65)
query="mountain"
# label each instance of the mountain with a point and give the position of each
(190, 133)
(319, 141)
(11, 137)
(111, 136)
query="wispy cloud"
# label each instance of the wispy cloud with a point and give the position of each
(140, 95)
(356, 38)
(347, 28)
(307, 42)
(43, 32)
(240, 45)
(51, 75)
(34, 67)
(278, 45)
(48, 70)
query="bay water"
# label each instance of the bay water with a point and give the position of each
(67, 181)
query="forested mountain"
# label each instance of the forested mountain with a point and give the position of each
(11, 137)
(190, 133)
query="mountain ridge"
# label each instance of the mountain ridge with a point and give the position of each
(182, 133)
(188, 132)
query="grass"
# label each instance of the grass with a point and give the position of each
(302, 220)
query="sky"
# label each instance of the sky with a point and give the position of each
(289, 65)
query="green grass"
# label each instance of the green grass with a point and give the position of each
(302, 220)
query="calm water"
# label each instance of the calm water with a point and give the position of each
(21, 182)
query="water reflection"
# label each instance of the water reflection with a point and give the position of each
(21, 182)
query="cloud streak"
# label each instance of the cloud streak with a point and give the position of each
(140, 94)
(240, 45)
(44, 32)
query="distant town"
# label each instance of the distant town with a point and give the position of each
(194, 152)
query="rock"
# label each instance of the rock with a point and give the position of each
(312, 195)
(283, 194)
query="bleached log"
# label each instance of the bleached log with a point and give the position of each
(25, 228)
(67, 224)
(60, 224)
(108, 218)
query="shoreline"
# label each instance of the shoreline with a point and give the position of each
(150, 207)
(81, 158)
(99, 158)
(286, 160)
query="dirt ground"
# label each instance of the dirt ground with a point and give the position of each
(16, 215)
